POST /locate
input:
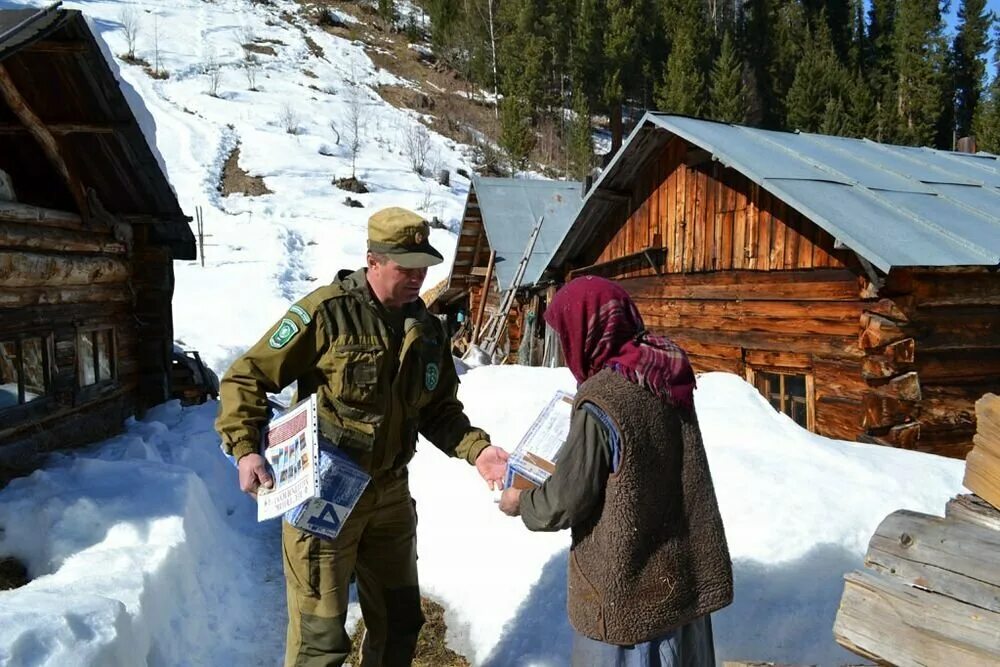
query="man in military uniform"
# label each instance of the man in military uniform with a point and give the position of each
(381, 369)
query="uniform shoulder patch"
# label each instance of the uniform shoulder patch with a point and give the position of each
(432, 374)
(301, 312)
(283, 334)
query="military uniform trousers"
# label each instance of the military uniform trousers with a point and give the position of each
(378, 543)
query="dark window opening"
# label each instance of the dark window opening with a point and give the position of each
(24, 374)
(97, 356)
(787, 393)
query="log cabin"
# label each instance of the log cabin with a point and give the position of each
(89, 228)
(497, 224)
(855, 284)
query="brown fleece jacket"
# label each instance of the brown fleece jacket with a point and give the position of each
(653, 556)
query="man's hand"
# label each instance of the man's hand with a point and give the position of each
(254, 474)
(492, 465)
(510, 502)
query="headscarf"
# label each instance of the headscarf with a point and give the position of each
(600, 327)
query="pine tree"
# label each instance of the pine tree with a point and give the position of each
(791, 39)
(816, 98)
(587, 51)
(517, 137)
(921, 70)
(620, 38)
(387, 12)
(581, 144)
(968, 50)
(682, 90)
(987, 122)
(728, 96)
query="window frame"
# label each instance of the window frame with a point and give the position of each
(755, 376)
(14, 413)
(95, 331)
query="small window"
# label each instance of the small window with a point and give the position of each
(24, 375)
(97, 357)
(787, 393)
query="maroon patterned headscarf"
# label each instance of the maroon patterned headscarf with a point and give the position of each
(600, 327)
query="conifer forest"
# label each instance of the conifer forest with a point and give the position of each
(889, 70)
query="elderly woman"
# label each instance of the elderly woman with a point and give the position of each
(648, 561)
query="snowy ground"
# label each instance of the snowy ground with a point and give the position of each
(142, 549)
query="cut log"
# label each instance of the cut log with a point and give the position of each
(44, 217)
(19, 297)
(877, 331)
(818, 285)
(24, 269)
(884, 411)
(947, 557)
(888, 621)
(970, 508)
(27, 237)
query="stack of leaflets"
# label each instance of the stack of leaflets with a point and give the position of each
(534, 459)
(316, 486)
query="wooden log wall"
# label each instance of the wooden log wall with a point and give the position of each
(58, 278)
(939, 332)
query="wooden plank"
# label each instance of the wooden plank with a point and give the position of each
(728, 233)
(753, 228)
(947, 557)
(982, 476)
(974, 510)
(782, 360)
(833, 347)
(763, 249)
(666, 316)
(807, 241)
(779, 229)
(690, 214)
(698, 220)
(822, 316)
(886, 620)
(793, 235)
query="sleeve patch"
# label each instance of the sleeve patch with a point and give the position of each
(301, 312)
(285, 332)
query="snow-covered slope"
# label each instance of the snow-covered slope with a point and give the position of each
(261, 252)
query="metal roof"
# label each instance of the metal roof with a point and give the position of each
(510, 208)
(893, 205)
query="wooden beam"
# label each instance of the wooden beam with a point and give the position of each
(62, 129)
(482, 299)
(613, 195)
(48, 142)
(51, 46)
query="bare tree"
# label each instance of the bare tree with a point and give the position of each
(336, 132)
(156, 45)
(289, 119)
(214, 71)
(417, 146)
(129, 18)
(356, 122)
(245, 35)
(251, 66)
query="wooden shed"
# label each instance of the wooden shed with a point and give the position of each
(500, 216)
(854, 283)
(89, 227)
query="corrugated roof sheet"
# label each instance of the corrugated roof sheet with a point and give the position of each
(510, 208)
(894, 205)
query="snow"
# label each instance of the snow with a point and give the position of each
(142, 549)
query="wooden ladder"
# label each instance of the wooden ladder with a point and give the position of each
(497, 323)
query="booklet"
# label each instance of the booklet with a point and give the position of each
(534, 458)
(316, 486)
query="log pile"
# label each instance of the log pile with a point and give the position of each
(982, 467)
(930, 590)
